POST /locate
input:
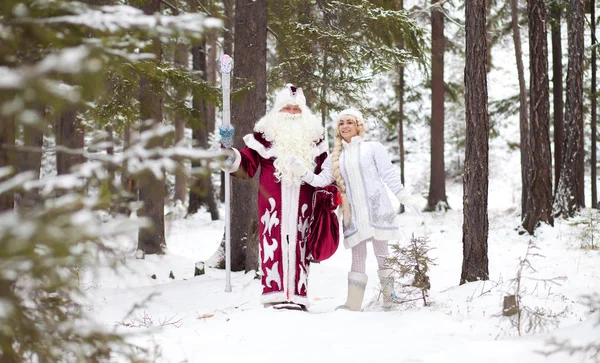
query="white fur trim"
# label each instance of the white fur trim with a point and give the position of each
(351, 112)
(280, 297)
(358, 277)
(322, 147)
(253, 144)
(236, 162)
(271, 152)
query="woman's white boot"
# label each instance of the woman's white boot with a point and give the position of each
(386, 279)
(357, 282)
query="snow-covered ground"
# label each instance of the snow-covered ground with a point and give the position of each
(192, 319)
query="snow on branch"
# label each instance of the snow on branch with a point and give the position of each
(118, 18)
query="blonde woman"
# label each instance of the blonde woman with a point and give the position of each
(361, 169)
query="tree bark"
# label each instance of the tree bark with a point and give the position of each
(128, 182)
(152, 190)
(250, 57)
(69, 133)
(30, 159)
(557, 91)
(570, 194)
(594, 117)
(181, 60)
(7, 157)
(539, 192)
(475, 179)
(400, 95)
(202, 191)
(211, 77)
(489, 33)
(437, 185)
(523, 119)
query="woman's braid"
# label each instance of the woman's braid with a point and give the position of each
(335, 163)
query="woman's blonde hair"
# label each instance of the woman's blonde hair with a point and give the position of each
(335, 156)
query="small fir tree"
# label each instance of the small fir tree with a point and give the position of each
(412, 260)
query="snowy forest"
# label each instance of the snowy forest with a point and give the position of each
(112, 195)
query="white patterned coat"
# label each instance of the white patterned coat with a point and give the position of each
(366, 168)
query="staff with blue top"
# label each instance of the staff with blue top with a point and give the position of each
(226, 66)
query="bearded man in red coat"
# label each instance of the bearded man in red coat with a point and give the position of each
(288, 132)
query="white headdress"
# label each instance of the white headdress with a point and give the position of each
(352, 112)
(360, 121)
(289, 95)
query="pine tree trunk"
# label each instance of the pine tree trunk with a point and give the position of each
(539, 192)
(30, 159)
(152, 190)
(557, 91)
(594, 117)
(437, 184)
(181, 60)
(475, 179)
(128, 182)
(69, 134)
(211, 77)
(570, 195)
(250, 56)
(7, 157)
(201, 191)
(489, 33)
(523, 119)
(400, 96)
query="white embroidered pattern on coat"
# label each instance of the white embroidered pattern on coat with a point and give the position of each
(302, 228)
(273, 276)
(269, 249)
(270, 220)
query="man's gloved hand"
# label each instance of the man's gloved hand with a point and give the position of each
(226, 132)
(411, 202)
(297, 165)
(300, 169)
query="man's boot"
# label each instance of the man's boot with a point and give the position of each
(386, 279)
(357, 283)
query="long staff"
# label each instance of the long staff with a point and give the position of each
(226, 66)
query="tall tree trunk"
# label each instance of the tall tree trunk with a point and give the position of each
(211, 77)
(570, 194)
(128, 182)
(475, 179)
(400, 96)
(250, 56)
(30, 159)
(594, 116)
(181, 60)
(437, 185)
(539, 192)
(7, 157)
(202, 191)
(227, 49)
(152, 190)
(557, 91)
(69, 133)
(228, 9)
(523, 119)
(489, 27)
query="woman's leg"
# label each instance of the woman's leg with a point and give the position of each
(357, 279)
(380, 248)
(386, 279)
(359, 257)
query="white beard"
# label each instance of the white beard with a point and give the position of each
(293, 135)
